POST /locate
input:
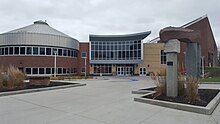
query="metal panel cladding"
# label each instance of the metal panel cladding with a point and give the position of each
(39, 33)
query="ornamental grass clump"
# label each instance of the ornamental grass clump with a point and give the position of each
(191, 89)
(181, 80)
(12, 78)
(187, 86)
(160, 82)
(1, 79)
(15, 77)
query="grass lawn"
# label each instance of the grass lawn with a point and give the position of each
(213, 79)
(212, 69)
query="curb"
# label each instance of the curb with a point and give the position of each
(39, 89)
(210, 83)
(191, 108)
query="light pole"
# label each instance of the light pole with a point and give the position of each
(203, 73)
(85, 67)
(55, 63)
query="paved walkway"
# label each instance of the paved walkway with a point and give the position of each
(103, 101)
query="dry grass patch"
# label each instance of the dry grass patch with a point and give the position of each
(11, 79)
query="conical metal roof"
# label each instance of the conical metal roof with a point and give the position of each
(39, 27)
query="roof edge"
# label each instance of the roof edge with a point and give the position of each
(123, 35)
(194, 21)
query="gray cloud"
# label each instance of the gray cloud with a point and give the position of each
(81, 18)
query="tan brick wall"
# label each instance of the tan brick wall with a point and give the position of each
(151, 55)
(114, 69)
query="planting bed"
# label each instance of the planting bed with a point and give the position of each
(52, 84)
(206, 95)
(209, 99)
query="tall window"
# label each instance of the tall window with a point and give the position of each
(54, 51)
(48, 70)
(48, 51)
(22, 50)
(6, 51)
(11, 50)
(29, 50)
(162, 57)
(42, 51)
(60, 52)
(16, 50)
(64, 52)
(3, 51)
(28, 70)
(35, 50)
(60, 71)
(75, 54)
(41, 70)
(34, 70)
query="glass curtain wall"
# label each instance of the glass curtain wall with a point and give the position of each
(116, 50)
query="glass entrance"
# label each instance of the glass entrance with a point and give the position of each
(120, 71)
(128, 71)
(123, 70)
(142, 72)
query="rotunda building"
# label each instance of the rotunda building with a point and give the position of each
(38, 49)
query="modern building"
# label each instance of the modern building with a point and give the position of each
(39, 49)
(116, 54)
(34, 48)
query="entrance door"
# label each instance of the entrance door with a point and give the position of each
(129, 71)
(142, 72)
(124, 70)
(120, 71)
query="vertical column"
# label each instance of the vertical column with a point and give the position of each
(199, 57)
(193, 59)
(172, 47)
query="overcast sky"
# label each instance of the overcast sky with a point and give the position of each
(79, 18)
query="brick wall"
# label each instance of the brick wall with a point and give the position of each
(207, 42)
(83, 47)
(37, 61)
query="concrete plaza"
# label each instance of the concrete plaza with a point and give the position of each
(102, 101)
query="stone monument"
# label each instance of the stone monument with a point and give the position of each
(172, 36)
